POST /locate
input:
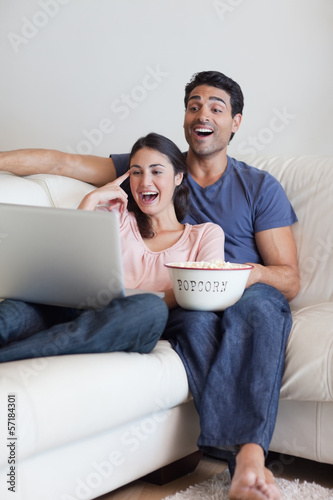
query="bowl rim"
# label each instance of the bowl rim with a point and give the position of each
(245, 267)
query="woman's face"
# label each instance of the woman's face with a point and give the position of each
(153, 181)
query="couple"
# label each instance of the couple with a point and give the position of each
(234, 360)
(151, 235)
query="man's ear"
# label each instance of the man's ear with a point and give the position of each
(178, 178)
(236, 122)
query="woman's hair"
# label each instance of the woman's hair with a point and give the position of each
(181, 196)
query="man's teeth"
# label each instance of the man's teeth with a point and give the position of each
(203, 131)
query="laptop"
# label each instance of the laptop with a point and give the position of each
(59, 256)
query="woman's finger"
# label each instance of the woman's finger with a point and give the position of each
(122, 178)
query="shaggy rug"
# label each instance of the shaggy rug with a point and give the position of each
(217, 488)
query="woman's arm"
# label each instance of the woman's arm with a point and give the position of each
(88, 168)
(211, 243)
(110, 196)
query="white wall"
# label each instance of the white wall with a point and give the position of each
(70, 67)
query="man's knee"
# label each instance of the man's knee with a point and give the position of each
(261, 309)
(262, 297)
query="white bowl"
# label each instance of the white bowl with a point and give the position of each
(203, 289)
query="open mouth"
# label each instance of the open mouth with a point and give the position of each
(203, 132)
(148, 196)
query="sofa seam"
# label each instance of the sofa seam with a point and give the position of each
(318, 430)
(330, 370)
(46, 189)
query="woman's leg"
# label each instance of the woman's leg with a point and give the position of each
(128, 324)
(20, 319)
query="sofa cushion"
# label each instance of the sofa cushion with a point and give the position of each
(22, 191)
(303, 429)
(42, 190)
(63, 399)
(64, 192)
(308, 374)
(308, 182)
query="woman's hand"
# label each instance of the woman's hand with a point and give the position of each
(107, 197)
(170, 299)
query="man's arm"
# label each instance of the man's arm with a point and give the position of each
(278, 251)
(93, 169)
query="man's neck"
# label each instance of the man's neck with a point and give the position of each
(206, 170)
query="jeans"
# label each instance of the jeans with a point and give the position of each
(234, 362)
(132, 324)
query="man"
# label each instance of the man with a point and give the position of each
(234, 361)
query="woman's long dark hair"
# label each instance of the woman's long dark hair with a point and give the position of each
(181, 196)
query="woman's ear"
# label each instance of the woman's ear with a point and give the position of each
(178, 178)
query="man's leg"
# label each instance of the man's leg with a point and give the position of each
(241, 396)
(195, 336)
(128, 324)
(242, 391)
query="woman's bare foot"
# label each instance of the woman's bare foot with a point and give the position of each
(252, 480)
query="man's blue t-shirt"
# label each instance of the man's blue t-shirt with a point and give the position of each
(244, 201)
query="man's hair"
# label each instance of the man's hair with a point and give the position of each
(181, 195)
(220, 81)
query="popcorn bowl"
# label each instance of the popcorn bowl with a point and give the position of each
(208, 286)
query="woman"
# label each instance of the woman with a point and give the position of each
(151, 235)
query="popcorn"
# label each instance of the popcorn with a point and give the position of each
(212, 264)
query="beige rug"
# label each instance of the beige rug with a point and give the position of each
(217, 488)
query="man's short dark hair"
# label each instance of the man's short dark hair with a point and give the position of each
(220, 81)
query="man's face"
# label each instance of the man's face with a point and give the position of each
(208, 123)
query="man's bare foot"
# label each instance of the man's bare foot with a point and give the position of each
(252, 480)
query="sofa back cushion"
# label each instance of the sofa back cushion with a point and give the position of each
(43, 190)
(308, 182)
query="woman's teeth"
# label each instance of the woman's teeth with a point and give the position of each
(148, 196)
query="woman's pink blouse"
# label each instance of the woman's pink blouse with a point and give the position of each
(145, 269)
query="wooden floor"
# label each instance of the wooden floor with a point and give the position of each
(282, 466)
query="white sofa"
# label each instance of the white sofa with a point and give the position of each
(87, 424)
